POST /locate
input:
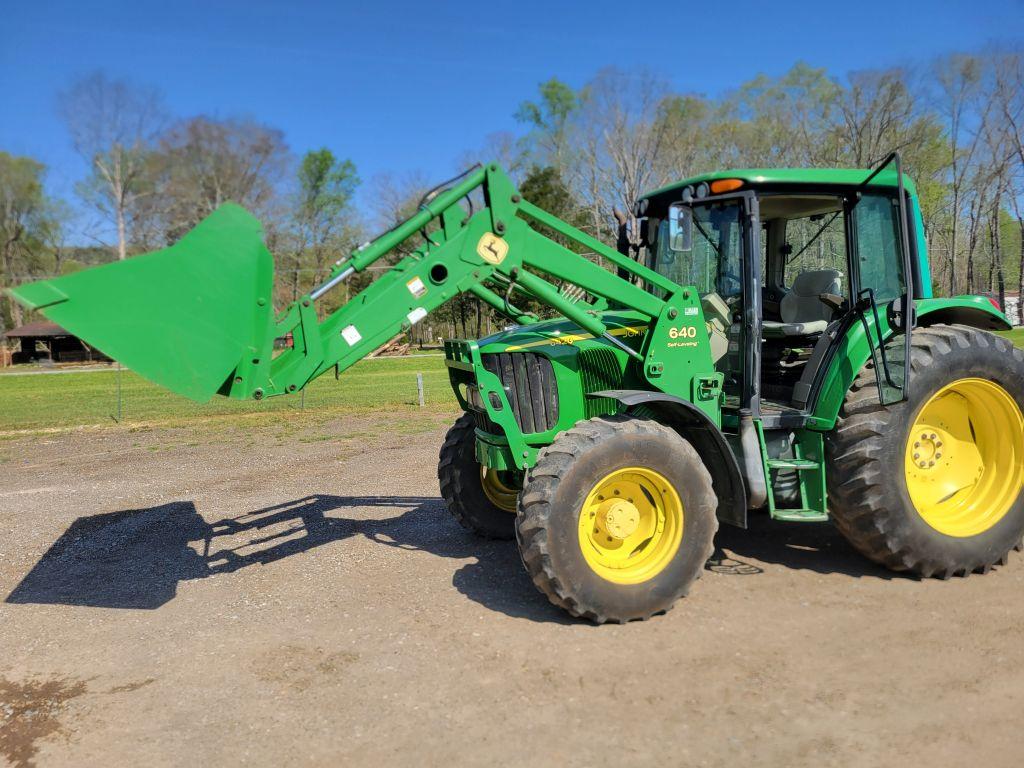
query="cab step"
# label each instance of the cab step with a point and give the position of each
(799, 515)
(807, 459)
(797, 464)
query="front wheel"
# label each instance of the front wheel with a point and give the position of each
(616, 519)
(481, 500)
(934, 485)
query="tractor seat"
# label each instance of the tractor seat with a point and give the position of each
(803, 313)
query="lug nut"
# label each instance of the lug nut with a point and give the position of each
(917, 455)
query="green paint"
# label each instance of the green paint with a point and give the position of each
(189, 317)
(760, 177)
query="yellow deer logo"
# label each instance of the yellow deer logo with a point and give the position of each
(492, 248)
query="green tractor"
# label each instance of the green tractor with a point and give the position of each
(766, 342)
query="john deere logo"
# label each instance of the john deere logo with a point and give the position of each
(492, 248)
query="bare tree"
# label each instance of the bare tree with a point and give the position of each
(619, 138)
(504, 148)
(113, 124)
(205, 163)
(959, 79)
(1009, 95)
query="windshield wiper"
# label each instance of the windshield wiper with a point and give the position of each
(718, 250)
(817, 234)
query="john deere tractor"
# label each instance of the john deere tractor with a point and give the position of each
(766, 342)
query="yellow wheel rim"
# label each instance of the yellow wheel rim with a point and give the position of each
(631, 525)
(500, 494)
(965, 457)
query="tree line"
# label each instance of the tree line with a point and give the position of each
(585, 154)
(958, 123)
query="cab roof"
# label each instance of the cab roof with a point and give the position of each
(763, 177)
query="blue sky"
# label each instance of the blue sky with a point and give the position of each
(406, 86)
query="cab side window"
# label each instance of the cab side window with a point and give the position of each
(876, 219)
(814, 243)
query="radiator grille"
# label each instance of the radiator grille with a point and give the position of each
(529, 383)
(599, 370)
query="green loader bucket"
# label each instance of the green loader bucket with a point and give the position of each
(185, 317)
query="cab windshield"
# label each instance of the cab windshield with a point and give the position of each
(712, 265)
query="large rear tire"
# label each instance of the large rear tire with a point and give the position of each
(480, 500)
(616, 519)
(934, 485)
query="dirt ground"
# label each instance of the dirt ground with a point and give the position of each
(260, 598)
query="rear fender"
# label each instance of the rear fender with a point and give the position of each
(853, 351)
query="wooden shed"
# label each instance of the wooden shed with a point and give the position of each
(48, 341)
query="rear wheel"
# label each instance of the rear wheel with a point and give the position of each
(481, 500)
(954, 505)
(616, 519)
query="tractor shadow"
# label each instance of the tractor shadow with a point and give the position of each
(135, 559)
(816, 547)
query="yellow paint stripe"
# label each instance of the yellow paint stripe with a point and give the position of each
(573, 338)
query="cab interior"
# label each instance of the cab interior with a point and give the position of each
(804, 292)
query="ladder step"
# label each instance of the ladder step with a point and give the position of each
(797, 464)
(800, 515)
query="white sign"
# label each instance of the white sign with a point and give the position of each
(416, 287)
(351, 335)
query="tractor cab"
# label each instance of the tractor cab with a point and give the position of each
(785, 261)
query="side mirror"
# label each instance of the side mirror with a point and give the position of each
(680, 228)
(897, 316)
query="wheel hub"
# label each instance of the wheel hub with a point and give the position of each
(928, 448)
(620, 518)
(631, 525)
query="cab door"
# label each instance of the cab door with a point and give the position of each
(884, 285)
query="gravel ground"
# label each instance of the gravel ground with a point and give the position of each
(260, 598)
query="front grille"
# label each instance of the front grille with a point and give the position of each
(529, 383)
(599, 370)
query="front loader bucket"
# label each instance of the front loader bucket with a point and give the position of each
(185, 317)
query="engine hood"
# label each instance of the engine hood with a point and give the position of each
(628, 327)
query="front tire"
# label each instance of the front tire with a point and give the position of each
(481, 501)
(616, 519)
(933, 485)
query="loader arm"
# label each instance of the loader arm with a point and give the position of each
(224, 342)
(490, 254)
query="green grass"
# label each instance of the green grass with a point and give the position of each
(67, 400)
(1016, 336)
(90, 399)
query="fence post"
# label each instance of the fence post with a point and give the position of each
(419, 388)
(118, 419)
